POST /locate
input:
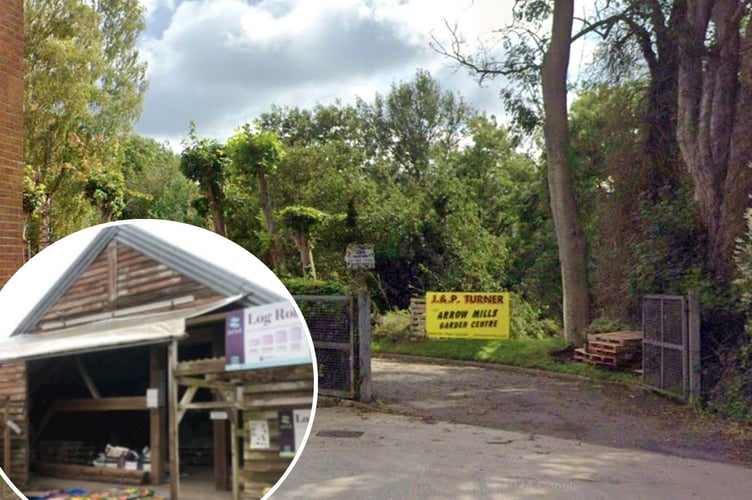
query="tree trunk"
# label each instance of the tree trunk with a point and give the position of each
(714, 119)
(662, 56)
(569, 236)
(266, 207)
(216, 211)
(303, 244)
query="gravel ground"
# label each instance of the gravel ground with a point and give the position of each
(558, 406)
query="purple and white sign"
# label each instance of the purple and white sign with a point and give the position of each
(265, 336)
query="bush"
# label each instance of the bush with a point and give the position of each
(392, 326)
(529, 322)
(306, 286)
(605, 325)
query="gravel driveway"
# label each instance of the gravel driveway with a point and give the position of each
(558, 406)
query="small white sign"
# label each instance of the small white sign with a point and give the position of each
(218, 415)
(360, 257)
(259, 435)
(152, 398)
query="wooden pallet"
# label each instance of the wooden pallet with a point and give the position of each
(606, 359)
(418, 318)
(618, 338)
(609, 348)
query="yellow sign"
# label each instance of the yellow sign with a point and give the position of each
(467, 315)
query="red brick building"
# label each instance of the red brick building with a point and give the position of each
(12, 376)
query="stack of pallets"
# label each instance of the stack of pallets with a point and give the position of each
(615, 349)
(417, 318)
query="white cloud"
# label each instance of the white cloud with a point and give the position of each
(223, 62)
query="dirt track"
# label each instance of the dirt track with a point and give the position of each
(564, 407)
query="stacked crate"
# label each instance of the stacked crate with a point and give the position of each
(615, 349)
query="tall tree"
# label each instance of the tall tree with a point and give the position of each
(205, 162)
(569, 235)
(301, 221)
(714, 119)
(415, 122)
(547, 78)
(73, 117)
(255, 155)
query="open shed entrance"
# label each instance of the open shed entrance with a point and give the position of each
(80, 404)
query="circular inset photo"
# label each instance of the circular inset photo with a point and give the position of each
(151, 358)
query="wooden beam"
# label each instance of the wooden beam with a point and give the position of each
(228, 398)
(204, 383)
(222, 472)
(206, 405)
(202, 367)
(112, 274)
(157, 416)
(235, 460)
(129, 403)
(87, 378)
(185, 401)
(172, 362)
(6, 439)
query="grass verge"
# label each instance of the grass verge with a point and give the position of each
(524, 353)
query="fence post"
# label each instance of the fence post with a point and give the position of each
(693, 345)
(364, 345)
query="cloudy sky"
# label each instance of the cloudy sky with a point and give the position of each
(223, 62)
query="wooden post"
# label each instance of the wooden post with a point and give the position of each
(6, 439)
(364, 343)
(221, 472)
(157, 416)
(172, 411)
(234, 422)
(693, 345)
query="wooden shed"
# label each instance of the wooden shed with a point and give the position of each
(123, 342)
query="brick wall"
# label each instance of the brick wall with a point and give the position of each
(11, 137)
(13, 376)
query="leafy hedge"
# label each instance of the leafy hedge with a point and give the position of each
(307, 286)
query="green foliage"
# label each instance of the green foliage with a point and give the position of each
(743, 259)
(106, 190)
(301, 219)
(392, 326)
(306, 286)
(156, 188)
(34, 193)
(254, 151)
(205, 162)
(84, 85)
(606, 325)
(529, 322)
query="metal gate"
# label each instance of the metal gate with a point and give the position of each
(670, 350)
(331, 321)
